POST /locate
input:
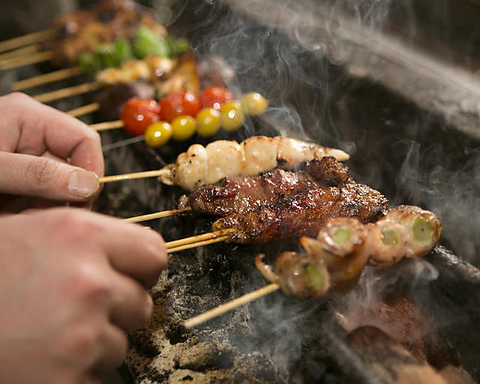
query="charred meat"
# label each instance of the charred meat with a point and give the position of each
(305, 213)
(244, 193)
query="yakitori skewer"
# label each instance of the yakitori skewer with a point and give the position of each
(337, 256)
(46, 78)
(224, 308)
(219, 159)
(21, 41)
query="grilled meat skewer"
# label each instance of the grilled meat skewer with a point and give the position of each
(243, 193)
(342, 248)
(305, 213)
(208, 165)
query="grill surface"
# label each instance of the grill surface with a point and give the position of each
(401, 142)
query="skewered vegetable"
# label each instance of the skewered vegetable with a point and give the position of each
(138, 114)
(208, 122)
(157, 134)
(215, 97)
(178, 104)
(232, 116)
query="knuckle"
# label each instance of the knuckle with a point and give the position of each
(43, 173)
(18, 98)
(93, 286)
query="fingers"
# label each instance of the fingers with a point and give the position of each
(131, 249)
(114, 349)
(43, 128)
(132, 305)
(136, 251)
(43, 177)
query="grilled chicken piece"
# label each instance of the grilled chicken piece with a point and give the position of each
(243, 193)
(304, 213)
(219, 159)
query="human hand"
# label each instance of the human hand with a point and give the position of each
(45, 153)
(70, 285)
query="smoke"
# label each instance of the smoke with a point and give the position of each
(431, 177)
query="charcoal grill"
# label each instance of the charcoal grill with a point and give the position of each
(409, 118)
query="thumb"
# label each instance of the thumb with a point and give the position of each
(43, 177)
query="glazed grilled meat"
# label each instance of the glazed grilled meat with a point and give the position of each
(84, 31)
(242, 194)
(304, 213)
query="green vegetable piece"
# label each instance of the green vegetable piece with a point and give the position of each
(147, 43)
(89, 64)
(342, 236)
(313, 278)
(123, 50)
(422, 230)
(176, 46)
(389, 236)
(107, 55)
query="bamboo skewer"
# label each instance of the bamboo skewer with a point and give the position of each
(16, 62)
(220, 310)
(198, 244)
(199, 240)
(21, 41)
(84, 110)
(132, 176)
(107, 125)
(158, 215)
(66, 92)
(20, 52)
(47, 78)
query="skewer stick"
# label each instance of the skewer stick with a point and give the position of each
(157, 215)
(198, 244)
(20, 52)
(66, 92)
(199, 240)
(16, 62)
(132, 176)
(107, 125)
(86, 109)
(47, 78)
(215, 312)
(21, 41)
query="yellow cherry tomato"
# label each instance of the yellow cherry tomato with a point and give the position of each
(232, 116)
(183, 127)
(254, 103)
(208, 122)
(157, 134)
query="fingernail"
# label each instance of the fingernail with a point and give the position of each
(83, 183)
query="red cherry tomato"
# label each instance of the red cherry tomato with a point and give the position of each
(137, 114)
(178, 104)
(215, 97)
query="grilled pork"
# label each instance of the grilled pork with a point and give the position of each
(304, 213)
(244, 193)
